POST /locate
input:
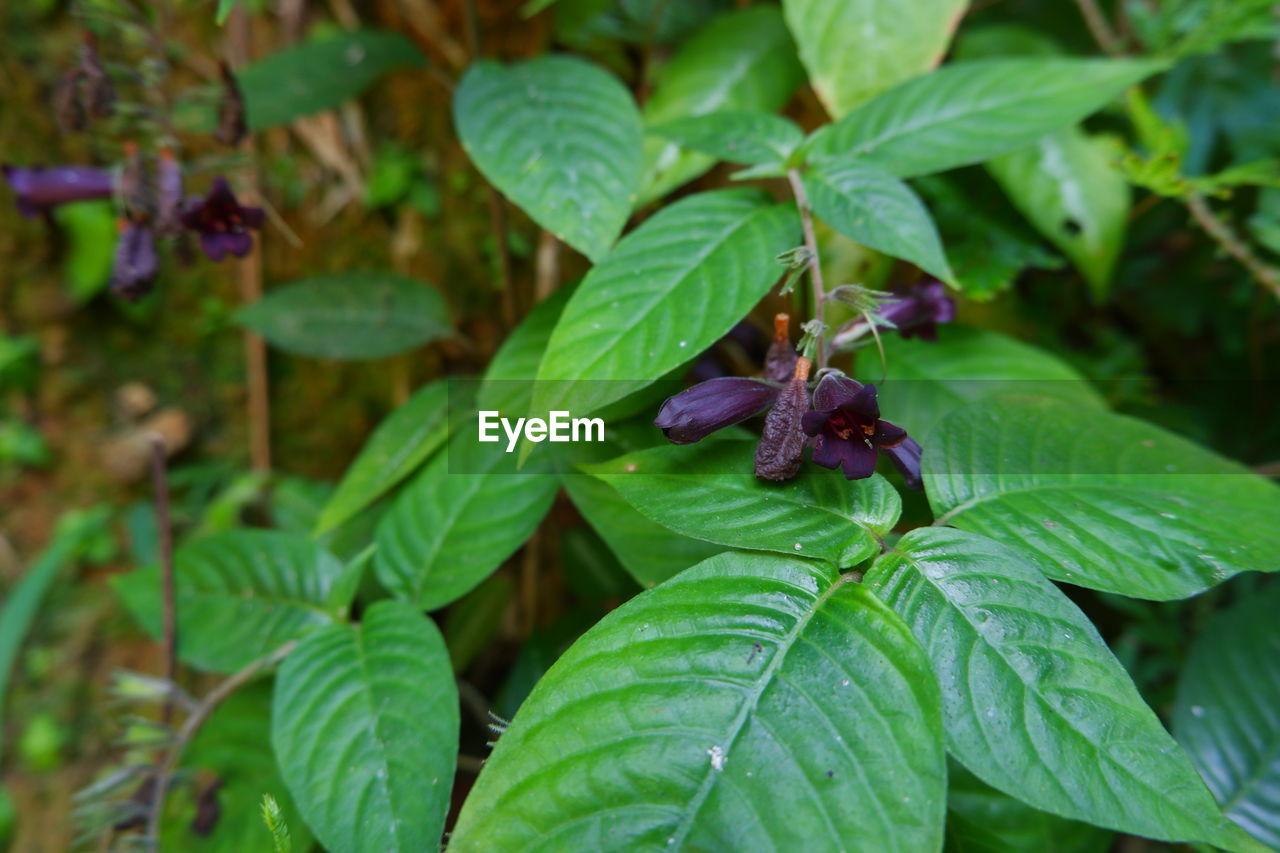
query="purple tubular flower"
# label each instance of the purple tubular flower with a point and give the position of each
(848, 431)
(222, 222)
(136, 263)
(920, 311)
(696, 412)
(780, 360)
(39, 188)
(168, 193)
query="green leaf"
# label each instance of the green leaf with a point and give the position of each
(473, 621)
(929, 379)
(404, 440)
(855, 49)
(710, 491)
(360, 315)
(320, 75)
(224, 11)
(1228, 712)
(1071, 189)
(981, 819)
(1101, 500)
(867, 204)
(751, 701)
(365, 727)
(648, 551)
(457, 521)
(561, 138)
(508, 382)
(647, 308)
(736, 136)
(234, 746)
(90, 229)
(239, 595)
(973, 111)
(743, 60)
(1033, 701)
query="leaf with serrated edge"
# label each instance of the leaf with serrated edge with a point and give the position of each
(858, 48)
(869, 205)
(753, 701)
(1228, 712)
(710, 491)
(1101, 500)
(361, 315)
(561, 138)
(365, 729)
(450, 528)
(402, 442)
(1034, 703)
(671, 288)
(973, 111)
(743, 60)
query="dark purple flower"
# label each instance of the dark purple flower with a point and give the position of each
(915, 313)
(136, 263)
(39, 188)
(848, 431)
(696, 412)
(222, 222)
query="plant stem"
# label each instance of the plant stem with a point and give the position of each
(1226, 237)
(1101, 30)
(815, 266)
(191, 726)
(164, 528)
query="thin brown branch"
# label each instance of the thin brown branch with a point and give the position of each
(1235, 246)
(164, 529)
(547, 274)
(815, 266)
(191, 726)
(1100, 28)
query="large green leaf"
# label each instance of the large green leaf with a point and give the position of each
(457, 521)
(561, 138)
(981, 819)
(507, 386)
(1033, 701)
(402, 442)
(1099, 499)
(673, 287)
(1228, 712)
(710, 491)
(240, 595)
(648, 551)
(362, 315)
(1070, 186)
(928, 379)
(743, 60)
(869, 205)
(754, 702)
(234, 746)
(365, 728)
(973, 111)
(855, 49)
(737, 136)
(320, 75)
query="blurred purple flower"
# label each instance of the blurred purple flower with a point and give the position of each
(222, 222)
(916, 313)
(168, 193)
(696, 412)
(39, 188)
(848, 431)
(136, 263)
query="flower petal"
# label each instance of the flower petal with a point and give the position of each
(696, 412)
(905, 456)
(888, 435)
(854, 456)
(862, 405)
(833, 390)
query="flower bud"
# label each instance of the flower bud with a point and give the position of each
(782, 442)
(780, 361)
(232, 124)
(136, 262)
(696, 412)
